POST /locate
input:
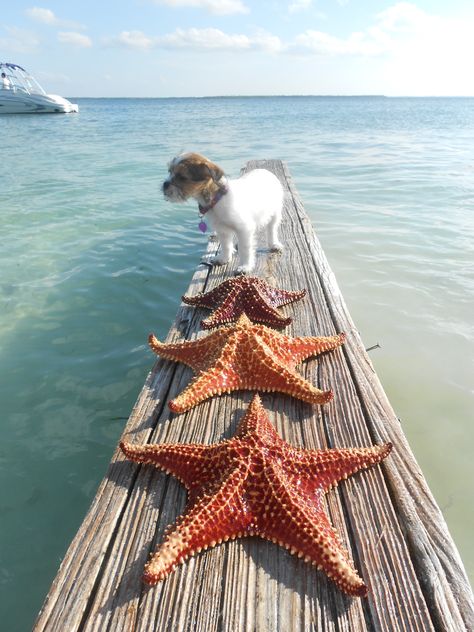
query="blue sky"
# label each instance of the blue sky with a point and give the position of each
(153, 48)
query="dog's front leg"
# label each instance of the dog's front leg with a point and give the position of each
(226, 241)
(272, 234)
(246, 241)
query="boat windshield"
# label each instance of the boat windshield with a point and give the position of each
(15, 78)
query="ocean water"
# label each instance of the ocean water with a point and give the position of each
(92, 259)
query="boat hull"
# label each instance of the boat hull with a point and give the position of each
(14, 103)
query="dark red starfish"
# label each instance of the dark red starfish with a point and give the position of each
(244, 295)
(256, 484)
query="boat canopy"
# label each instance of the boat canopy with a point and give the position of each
(13, 66)
(20, 80)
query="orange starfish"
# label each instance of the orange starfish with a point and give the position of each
(256, 484)
(246, 356)
(244, 295)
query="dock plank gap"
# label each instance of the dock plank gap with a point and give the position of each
(387, 516)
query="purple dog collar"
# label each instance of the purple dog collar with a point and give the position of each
(218, 196)
(204, 209)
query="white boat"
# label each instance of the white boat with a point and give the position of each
(20, 93)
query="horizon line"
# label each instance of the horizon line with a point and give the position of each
(290, 96)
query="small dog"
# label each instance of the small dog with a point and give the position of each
(234, 207)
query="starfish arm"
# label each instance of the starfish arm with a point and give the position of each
(278, 298)
(270, 374)
(215, 381)
(190, 463)
(310, 535)
(302, 526)
(211, 520)
(227, 312)
(194, 353)
(331, 466)
(208, 299)
(256, 422)
(293, 350)
(261, 310)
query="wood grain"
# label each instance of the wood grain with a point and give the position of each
(387, 516)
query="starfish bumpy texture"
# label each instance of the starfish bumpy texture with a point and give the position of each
(246, 356)
(244, 295)
(256, 484)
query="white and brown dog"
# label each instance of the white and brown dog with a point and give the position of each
(234, 207)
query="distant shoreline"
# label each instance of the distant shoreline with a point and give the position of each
(286, 96)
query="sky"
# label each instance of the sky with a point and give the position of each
(166, 48)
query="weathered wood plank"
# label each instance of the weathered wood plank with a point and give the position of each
(387, 516)
(439, 567)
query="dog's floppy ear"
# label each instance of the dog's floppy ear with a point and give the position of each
(203, 170)
(216, 172)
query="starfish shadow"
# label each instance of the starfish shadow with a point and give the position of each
(294, 410)
(169, 379)
(297, 576)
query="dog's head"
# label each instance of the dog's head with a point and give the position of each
(192, 175)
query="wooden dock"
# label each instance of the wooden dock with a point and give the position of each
(387, 516)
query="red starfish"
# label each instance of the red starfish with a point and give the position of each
(244, 295)
(256, 484)
(246, 356)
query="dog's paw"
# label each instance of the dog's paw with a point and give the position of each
(276, 247)
(218, 261)
(244, 270)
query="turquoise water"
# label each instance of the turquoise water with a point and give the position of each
(92, 259)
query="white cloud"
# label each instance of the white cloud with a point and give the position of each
(299, 5)
(324, 44)
(74, 39)
(208, 39)
(203, 39)
(46, 16)
(19, 40)
(135, 40)
(399, 28)
(420, 53)
(428, 54)
(267, 42)
(217, 7)
(403, 16)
